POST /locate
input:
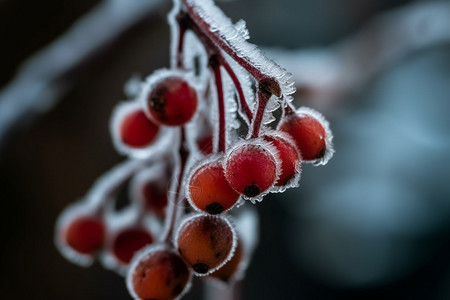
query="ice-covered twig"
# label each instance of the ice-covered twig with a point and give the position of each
(325, 75)
(44, 78)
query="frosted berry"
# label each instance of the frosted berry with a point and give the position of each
(231, 267)
(85, 234)
(159, 275)
(210, 191)
(308, 133)
(128, 241)
(172, 102)
(251, 169)
(205, 242)
(289, 157)
(137, 131)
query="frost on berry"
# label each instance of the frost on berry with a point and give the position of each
(206, 242)
(252, 167)
(208, 189)
(158, 272)
(311, 133)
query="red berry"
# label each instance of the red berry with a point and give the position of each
(251, 169)
(205, 242)
(155, 197)
(172, 102)
(289, 156)
(136, 130)
(308, 133)
(128, 241)
(85, 234)
(209, 190)
(159, 275)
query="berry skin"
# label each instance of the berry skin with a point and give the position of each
(160, 275)
(205, 242)
(251, 169)
(289, 156)
(155, 198)
(210, 191)
(172, 102)
(128, 241)
(137, 131)
(308, 133)
(230, 268)
(85, 234)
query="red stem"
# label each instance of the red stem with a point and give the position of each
(179, 54)
(243, 103)
(214, 64)
(263, 99)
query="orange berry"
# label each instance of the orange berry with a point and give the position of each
(209, 190)
(205, 242)
(160, 275)
(229, 269)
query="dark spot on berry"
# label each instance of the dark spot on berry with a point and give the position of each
(212, 238)
(322, 152)
(168, 281)
(218, 254)
(251, 190)
(158, 103)
(177, 290)
(214, 208)
(200, 268)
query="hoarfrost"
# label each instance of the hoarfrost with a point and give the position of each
(236, 37)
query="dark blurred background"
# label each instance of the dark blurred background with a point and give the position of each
(372, 224)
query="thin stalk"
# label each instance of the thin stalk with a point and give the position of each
(214, 64)
(255, 126)
(242, 102)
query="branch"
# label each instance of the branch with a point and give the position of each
(46, 76)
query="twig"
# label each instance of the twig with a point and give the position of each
(47, 75)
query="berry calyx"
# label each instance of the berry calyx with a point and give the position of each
(251, 168)
(205, 242)
(172, 102)
(159, 274)
(128, 241)
(288, 154)
(209, 190)
(308, 132)
(136, 130)
(85, 234)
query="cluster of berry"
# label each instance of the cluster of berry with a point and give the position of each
(182, 134)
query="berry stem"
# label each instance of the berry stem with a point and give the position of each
(242, 102)
(175, 197)
(214, 64)
(255, 126)
(180, 43)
